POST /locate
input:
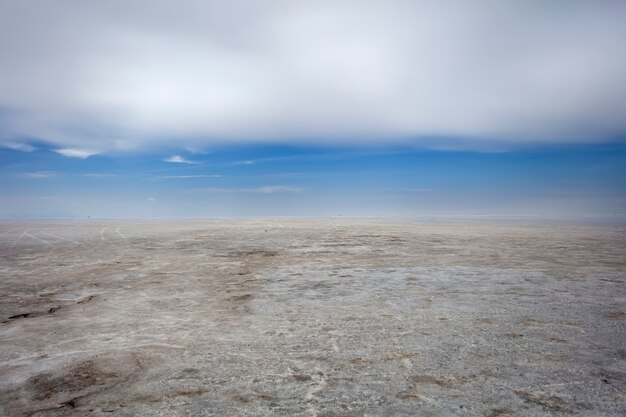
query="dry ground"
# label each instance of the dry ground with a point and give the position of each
(312, 317)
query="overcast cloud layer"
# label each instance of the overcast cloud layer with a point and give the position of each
(93, 76)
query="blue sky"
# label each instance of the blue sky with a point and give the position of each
(279, 180)
(312, 108)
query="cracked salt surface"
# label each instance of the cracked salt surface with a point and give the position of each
(313, 317)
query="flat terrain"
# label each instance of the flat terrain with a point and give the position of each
(312, 318)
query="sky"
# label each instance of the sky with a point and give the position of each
(312, 108)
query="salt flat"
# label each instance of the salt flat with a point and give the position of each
(335, 317)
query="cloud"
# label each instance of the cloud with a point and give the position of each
(75, 153)
(269, 189)
(178, 160)
(119, 76)
(38, 174)
(17, 146)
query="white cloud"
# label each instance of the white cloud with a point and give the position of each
(119, 76)
(178, 160)
(76, 153)
(17, 146)
(38, 174)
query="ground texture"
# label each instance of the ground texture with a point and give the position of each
(312, 318)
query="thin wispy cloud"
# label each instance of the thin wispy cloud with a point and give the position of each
(17, 146)
(432, 73)
(177, 159)
(176, 177)
(38, 174)
(269, 189)
(76, 152)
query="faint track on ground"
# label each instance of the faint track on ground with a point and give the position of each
(20, 236)
(60, 237)
(25, 233)
(37, 238)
